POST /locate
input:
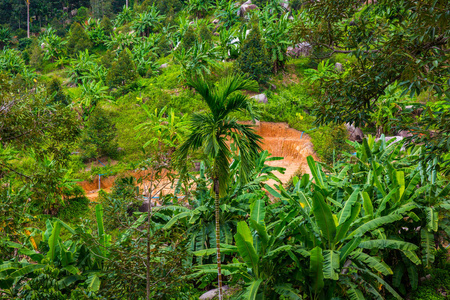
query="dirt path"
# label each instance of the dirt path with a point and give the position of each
(278, 138)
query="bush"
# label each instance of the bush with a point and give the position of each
(24, 43)
(74, 208)
(254, 60)
(21, 33)
(107, 26)
(78, 39)
(437, 288)
(123, 71)
(189, 38)
(55, 90)
(82, 14)
(99, 136)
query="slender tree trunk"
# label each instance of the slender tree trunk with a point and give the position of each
(219, 262)
(379, 131)
(126, 3)
(28, 19)
(147, 261)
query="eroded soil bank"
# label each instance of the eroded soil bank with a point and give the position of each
(278, 138)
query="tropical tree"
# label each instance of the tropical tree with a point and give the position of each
(276, 37)
(228, 14)
(5, 37)
(147, 21)
(124, 17)
(388, 41)
(199, 7)
(211, 132)
(197, 61)
(91, 93)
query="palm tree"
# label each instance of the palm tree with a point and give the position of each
(212, 130)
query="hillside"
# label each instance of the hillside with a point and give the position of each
(199, 149)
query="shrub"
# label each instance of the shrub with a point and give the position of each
(123, 71)
(189, 38)
(82, 14)
(107, 25)
(75, 207)
(254, 60)
(55, 90)
(78, 39)
(99, 136)
(24, 43)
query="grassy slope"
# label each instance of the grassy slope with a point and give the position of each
(289, 102)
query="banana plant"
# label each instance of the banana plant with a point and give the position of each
(338, 252)
(77, 263)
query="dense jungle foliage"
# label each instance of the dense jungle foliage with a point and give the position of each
(151, 96)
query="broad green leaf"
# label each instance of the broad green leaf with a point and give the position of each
(412, 256)
(385, 200)
(316, 269)
(252, 290)
(9, 266)
(331, 264)
(272, 191)
(63, 224)
(401, 182)
(287, 291)
(383, 283)
(348, 248)
(244, 243)
(315, 171)
(346, 211)
(67, 281)
(427, 243)
(93, 282)
(342, 229)
(374, 263)
(432, 219)
(53, 241)
(324, 218)
(354, 294)
(262, 232)
(27, 269)
(413, 276)
(367, 204)
(399, 270)
(258, 211)
(375, 223)
(411, 186)
(72, 270)
(391, 244)
(175, 219)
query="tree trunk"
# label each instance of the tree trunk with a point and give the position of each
(28, 19)
(219, 262)
(379, 131)
(126, 3)
(149, 225)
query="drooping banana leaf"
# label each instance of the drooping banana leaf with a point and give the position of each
(316, 269)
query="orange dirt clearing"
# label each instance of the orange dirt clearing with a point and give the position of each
(282, 141)
(278, 139)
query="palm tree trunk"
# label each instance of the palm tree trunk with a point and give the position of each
(219, 262)
(28, 19)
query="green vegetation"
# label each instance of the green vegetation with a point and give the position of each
(126, 171)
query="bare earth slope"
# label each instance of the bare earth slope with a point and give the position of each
(281, 140)
(278, 138)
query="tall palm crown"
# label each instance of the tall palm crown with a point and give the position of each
(213, 129)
